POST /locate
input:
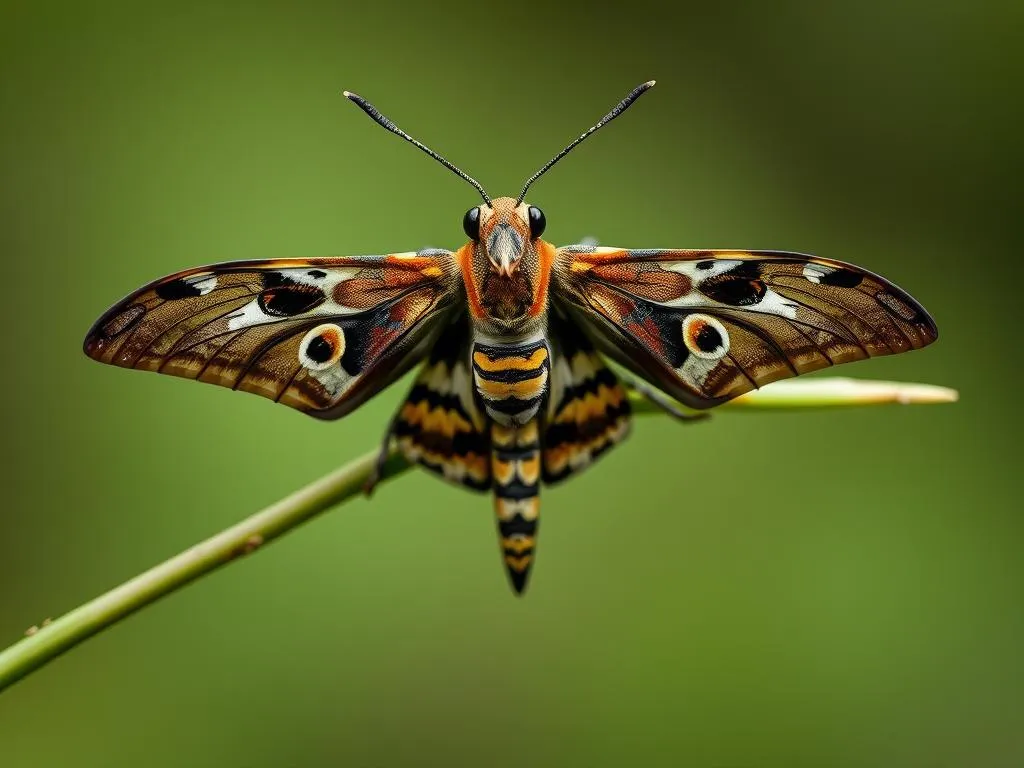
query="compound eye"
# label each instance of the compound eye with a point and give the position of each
(537, 222)
(471, 223)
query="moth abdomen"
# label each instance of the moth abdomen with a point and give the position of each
(515, 469)
(511, 380)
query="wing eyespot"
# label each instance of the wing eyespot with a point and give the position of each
(288, 299)
(740, 286)
(705, 337)
(322, 347)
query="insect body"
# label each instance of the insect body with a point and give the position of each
(510, 332)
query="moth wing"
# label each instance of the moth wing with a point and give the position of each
(588, 408)
(319, 335)
(707, 326)
(440, 425)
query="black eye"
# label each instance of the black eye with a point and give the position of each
(471, 223)
(537, 222)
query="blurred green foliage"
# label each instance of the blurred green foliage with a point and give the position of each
(835, 588)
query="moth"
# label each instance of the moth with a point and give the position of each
(511, 334)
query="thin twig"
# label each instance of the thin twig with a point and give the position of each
(42, 644)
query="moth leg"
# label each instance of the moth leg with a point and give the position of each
(382, 459)
(663, 401)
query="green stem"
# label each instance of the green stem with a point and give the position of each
(41, 645)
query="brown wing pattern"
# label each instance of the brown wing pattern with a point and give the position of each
(319, 335)
(588, 409)
(440, 426)
(707, 326)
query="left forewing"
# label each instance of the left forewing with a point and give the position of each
(707, 326)
(319, 335)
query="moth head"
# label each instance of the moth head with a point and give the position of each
(504, 232)
(507, 276)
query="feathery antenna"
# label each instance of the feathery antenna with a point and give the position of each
(373, 112)
(617, 110)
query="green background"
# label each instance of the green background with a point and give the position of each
(801, 589)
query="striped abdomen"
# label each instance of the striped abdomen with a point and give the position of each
(511, 379)
(515, 470)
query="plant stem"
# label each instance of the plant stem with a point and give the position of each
(41, 645)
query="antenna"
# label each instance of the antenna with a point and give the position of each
(617, 110)
(373, 112)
